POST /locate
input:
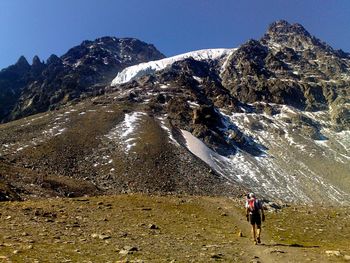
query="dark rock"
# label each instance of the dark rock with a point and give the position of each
(128, 250)
(217, 256)
(153, 226)
(27, 89)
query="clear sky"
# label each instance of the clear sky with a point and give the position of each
(43, 27)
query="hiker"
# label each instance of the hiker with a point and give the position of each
(255, 214)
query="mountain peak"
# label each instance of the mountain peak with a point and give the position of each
(22, 62)
(53, 59)
(111, 50)
(282, 27)
(283, 34)
(279, 24)
(36, 61)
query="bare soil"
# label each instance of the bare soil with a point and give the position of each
(166, 229)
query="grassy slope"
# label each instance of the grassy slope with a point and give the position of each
(191, 229)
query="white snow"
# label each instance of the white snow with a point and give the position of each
(151, 67)
(228, 56)
(270, 173)
(193, 104)
(165, 128)
(129, 123)
(125, 131)
(198, 79)
(198, 148)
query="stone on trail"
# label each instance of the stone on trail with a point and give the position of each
(216, 256)
(278, 251)
(104, 237)
(347, 257)
(274, 251)
(333, 253)
(128, 250)
(153, 226)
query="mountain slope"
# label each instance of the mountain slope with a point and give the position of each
(271, 116)
(82, 71)
(99, 146)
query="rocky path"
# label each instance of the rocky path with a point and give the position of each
(138, 228)
(278, 250)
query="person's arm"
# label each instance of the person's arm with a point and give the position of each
(247, 212)
(262, 212)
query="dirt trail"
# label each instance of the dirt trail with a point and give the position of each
(269, 250)
(157, 229)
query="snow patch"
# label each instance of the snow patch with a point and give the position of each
(151, 67)
(164, 127)
(125, 131)
(198, 148)
(198, 79)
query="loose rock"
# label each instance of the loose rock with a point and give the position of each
(333, 253)
(128, 250)
(216, 256)
(104, 237)
(153, 226)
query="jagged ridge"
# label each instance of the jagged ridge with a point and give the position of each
(83, 71)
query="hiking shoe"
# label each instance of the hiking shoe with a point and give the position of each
(258, 239)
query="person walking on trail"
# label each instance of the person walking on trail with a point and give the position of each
(255, 214)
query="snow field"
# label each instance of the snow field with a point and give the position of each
(151, 67)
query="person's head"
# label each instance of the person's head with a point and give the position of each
(251, 195)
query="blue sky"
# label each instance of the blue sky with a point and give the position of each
(43, 27)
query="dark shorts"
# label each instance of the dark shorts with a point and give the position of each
(255, 219)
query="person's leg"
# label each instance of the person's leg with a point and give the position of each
(258, 230)
(258, 226)
(254, 233)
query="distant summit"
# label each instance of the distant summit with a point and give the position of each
(22, 63)
(27, 89)
(295, 36)
(282, 27)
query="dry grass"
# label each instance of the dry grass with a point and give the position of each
(189, 229)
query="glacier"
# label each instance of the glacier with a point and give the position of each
(136, 71)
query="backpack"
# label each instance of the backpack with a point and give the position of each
(252, 206)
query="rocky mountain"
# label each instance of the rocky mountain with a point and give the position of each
(271, 116)
(83, 71)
